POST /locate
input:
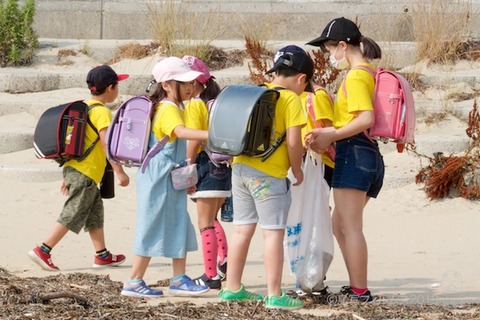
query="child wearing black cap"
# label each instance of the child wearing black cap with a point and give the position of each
(84, 207)
(359, 167)
(261, 190)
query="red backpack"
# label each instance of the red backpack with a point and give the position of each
(393, 107)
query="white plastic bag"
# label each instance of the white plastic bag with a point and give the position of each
(308, 237)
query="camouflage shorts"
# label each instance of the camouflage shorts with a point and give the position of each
(84, 206)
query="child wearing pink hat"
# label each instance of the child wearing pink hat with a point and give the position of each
(163, 227)
(214, 179)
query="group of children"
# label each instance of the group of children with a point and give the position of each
(260, 190)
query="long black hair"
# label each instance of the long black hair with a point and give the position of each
(211, 91)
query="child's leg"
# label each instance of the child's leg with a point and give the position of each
(98, 238)
(237, 256)
(103, 257)
(273, 259)
(56, 234)
(348, 224)
(135, 286)
(222, 244)
(207, 209)
(139, 267)
(179, 266)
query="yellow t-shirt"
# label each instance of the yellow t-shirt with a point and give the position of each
(196, 115)
(288, 113)
(359, 85)
(93, 166)
(167, 117)
(323, 108)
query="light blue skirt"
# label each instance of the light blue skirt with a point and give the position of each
(164, 228)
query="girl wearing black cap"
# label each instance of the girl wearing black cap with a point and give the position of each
(359, 167)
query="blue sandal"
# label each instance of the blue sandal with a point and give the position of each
(140, 290)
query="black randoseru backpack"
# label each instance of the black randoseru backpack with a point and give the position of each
(60, 133)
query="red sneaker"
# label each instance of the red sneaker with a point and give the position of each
(110, 261)
(43, 259)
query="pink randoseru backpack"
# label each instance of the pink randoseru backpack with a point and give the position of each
(393, 106)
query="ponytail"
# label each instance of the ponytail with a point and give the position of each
(370, 49)
(211, 91)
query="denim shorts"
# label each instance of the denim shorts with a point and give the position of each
(259, 198)
(213, 181)
(84, 206)
(358, 165)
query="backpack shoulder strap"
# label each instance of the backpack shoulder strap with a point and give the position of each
(361, 67)
(310, 104)
(279, 140)
(158, 146)
(92, 145)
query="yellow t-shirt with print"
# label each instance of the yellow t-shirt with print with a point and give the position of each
(196, 115)
(167, 117)
(93, 166)
(359, 85)
(323, 109)
(288, 113)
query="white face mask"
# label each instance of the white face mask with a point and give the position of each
(339, 64)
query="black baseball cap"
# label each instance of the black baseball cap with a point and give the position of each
(293, 57)
(102, 76)
(340, 29)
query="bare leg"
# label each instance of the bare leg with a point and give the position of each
(139, 267)
(237, 256)
(179, 266)
(56, 234)
(273, 259)
(348, 229)
(98, 238)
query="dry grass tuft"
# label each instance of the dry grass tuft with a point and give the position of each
(135, 51)
(67, 62)
(440, 27)
(445, 175)
(258, 65)
(66, 53)
(182, 20)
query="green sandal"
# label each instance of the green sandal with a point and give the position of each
(282, 302)
(239, 295)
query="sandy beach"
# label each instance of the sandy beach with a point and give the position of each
(420, 251)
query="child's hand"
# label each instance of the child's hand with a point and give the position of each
(298, 174)
(63, 188)
(320, 138)
(191, 190)
(123, 179)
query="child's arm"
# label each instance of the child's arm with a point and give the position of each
(121, 175)
(185, 133)
(192, 149)
(295, 152)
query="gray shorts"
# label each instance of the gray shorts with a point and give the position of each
(84, 206)
(259, 198)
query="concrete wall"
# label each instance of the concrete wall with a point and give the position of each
(280, 19)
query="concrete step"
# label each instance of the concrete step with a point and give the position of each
(22, 164)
